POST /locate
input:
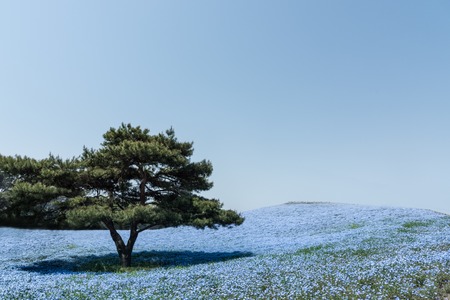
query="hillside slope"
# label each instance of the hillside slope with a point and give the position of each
(292, 251)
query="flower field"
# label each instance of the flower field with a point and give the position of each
(291, 251)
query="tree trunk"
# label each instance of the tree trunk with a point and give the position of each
(142, 196)
(123, 250)
(129, 248)
(125, 259)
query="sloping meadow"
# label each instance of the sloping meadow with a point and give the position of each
(291, 251)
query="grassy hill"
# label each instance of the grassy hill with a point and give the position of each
(291, 251)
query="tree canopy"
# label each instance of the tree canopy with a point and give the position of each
(34, 191)
(135, 181)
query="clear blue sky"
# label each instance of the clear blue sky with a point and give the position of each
(340, 101)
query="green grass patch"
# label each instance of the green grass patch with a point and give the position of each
(309, 250)
(110, 265)
(72, 246)
(443, 283)
(363, 253)
(356, 226)
(102, 267)
(414, 224)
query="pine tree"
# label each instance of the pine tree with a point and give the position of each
(135, 181)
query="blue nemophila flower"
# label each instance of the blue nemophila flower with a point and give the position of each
(303, 251)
